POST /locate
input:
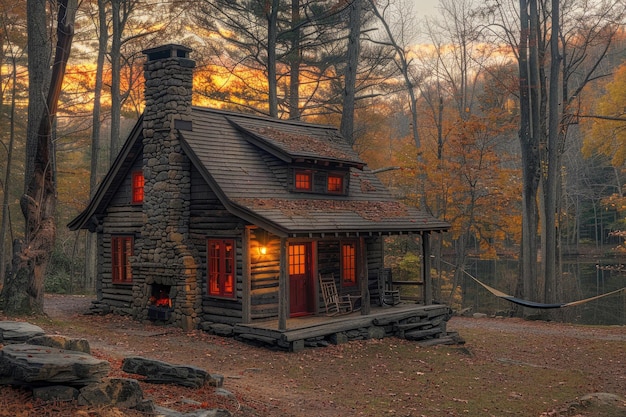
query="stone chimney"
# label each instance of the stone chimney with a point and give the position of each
(165, 257)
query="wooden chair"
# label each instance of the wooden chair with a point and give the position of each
(388, 296)
(334, 303)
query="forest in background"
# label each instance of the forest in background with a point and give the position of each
(434, 105)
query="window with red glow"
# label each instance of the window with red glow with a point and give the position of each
(303, 180)
(221, 267)
(297, 259)
(137, 187)
(335, 183)
(348, 263)
(121, 251)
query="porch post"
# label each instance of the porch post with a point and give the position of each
(426, 278)
(247, 276)
(283, 286)
(364, 277)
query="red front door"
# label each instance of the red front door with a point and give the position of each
(300, 280)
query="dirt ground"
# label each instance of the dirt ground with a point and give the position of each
(506, 367)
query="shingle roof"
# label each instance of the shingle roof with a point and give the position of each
(243, 158)
(290, 141)
(237, 153)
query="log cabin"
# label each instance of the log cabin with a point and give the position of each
(216, 217)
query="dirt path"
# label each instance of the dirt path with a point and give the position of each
(507, 367)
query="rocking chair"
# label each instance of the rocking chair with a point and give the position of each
(388, 296)
(334, 303)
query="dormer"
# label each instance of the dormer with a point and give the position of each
(319, 179)
(319, 161)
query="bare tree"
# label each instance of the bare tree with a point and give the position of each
(6, 225)
(560, 50)
(23, 290)
(351, 71)
(91, 238)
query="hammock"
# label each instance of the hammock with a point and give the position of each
(533, 304)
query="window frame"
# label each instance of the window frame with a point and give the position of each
(303, 172)
(342, 182)
(122, 249)
(217, 278)
(348, 264)
(137, 184)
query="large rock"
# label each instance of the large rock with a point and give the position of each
(55, 393)
(61, 342)
(25, 364)
(159, 372)
(18, 331)
(121, 392)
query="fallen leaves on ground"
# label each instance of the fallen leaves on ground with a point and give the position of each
(507, 367)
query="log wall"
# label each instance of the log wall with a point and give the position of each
(122, 218)
(209, 219)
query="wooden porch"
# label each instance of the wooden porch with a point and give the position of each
(405, 320)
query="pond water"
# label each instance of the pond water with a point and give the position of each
(582, 279)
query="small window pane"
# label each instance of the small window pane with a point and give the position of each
(137, 187)
(221, 267)
(335, 184)
(348, 264)
(303, 180)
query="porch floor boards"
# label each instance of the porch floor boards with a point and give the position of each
(300, 328)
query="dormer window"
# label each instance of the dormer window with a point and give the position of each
(303, 180)
(137, 187)
(319, 181)
(335, 184)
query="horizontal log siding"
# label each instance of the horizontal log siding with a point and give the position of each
(121, 218)
(265, 270)
(210, 219)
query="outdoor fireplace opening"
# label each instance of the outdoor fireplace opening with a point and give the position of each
(160, 303)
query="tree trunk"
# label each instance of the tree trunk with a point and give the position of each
(529, 144)
(294, 62)
(554, 157)
(7, 178)
(272, 36)
(349, 95)
(91, 238)
(23, 292)
(116, 46)
(39, 51)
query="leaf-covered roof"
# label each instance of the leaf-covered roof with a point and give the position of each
(245, 160)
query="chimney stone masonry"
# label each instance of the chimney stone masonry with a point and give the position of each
(165, 257)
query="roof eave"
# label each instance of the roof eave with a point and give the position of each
(81, 220)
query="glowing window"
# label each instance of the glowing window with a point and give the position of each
(335, 183)
(303, 180)
(221, 267)
(137, 187)
(348, 264)
(297, 259)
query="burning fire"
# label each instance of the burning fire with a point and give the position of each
(162, 300)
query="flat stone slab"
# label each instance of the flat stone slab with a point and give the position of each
(61, 342)
(159, 372)
(25, 364)
(121, 392)
(18, 331)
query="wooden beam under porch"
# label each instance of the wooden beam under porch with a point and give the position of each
(405, 320)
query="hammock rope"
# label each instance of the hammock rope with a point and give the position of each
(534, 304)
